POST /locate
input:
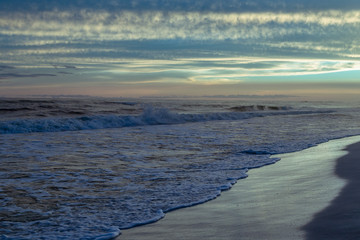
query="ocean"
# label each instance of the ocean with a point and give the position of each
(85, 168)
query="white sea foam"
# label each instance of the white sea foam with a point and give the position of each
(108, 236)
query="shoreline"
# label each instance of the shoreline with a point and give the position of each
(277, 201)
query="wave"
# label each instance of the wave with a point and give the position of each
(4, 110)
(247, 108)
(150, 116)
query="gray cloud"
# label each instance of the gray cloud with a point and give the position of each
(5, 67)
(179, 5)
(62, 72)
(17, 75)
(127, 25)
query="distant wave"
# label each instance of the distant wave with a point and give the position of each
(259, 108)
(19, 109)
(150, 116)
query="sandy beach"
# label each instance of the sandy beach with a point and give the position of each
(311, 194)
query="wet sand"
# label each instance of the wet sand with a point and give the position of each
(341, 219)
(311, 194)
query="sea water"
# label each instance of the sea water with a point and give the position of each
(85, 168)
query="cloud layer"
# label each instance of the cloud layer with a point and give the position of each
(149, 25)
(173, 41)
(180, 5)
(153, 34)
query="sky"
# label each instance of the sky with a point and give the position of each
(133, 48)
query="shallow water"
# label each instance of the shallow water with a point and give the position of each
(274, 202)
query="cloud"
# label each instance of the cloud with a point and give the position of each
(88, 35)
(5, 67)
(64, 66)
(127, 25)
(62, 72)
(17, 75)
(221, 70)
(139, 43)
(179, 5)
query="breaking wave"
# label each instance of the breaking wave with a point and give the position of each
(150, 116)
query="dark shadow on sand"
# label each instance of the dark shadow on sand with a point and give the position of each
(341, 220)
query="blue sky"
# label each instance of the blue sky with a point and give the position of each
(134, 48)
